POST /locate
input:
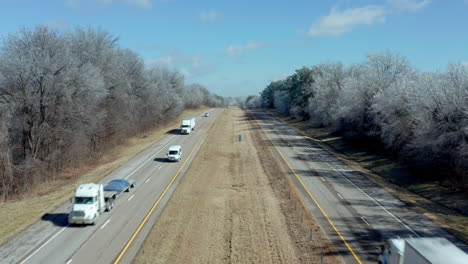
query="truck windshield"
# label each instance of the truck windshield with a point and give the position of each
(84, 200)
(173, 152)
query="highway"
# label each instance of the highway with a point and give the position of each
(52, 240)
(356, 214)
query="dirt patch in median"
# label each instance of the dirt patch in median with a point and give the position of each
(227, 209)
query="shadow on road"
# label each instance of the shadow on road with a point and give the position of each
(56, 219)
(173, 132)
(161, 160)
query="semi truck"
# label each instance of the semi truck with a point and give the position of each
(188, 125)
(423, 250)
(93, 199)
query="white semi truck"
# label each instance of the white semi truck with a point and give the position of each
(92, 199)
(188, 125)
(423, 250)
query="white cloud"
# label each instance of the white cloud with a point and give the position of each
(208, 16)
(233, 50)
(145, 4)
(73, 3)
(56, 25)
(409, 5)
(277, 77)
(189, 66)
(339, 22)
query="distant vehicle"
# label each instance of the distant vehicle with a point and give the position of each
(188, 125)
(92, 199)
(174, 153)
(207, 114)
(422, 251)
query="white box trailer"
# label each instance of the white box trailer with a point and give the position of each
(188, 125)
(422, 250)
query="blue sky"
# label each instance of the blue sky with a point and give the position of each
(236, 48)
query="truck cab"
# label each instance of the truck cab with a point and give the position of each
(393, 253)
(88, 204)
(188, 125)
(174, 153)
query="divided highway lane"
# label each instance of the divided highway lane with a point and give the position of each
(356, 214)
(53, 241)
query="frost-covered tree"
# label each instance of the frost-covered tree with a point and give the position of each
(329, 82)
(441, 119)
(354, 115)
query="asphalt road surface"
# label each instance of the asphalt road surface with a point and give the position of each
(52, 240)
(356, 214)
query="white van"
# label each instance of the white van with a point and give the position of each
(174, 153)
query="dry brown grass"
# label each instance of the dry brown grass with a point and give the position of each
(16, 216)
(233, 206)
(427, 198)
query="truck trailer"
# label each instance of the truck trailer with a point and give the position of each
(423, 250)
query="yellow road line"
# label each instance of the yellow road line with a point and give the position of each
(313, 198)
(117, 260)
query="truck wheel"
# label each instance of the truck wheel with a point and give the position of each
(109, 205)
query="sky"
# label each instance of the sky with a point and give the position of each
(236, 48)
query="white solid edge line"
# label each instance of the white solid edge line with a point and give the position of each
(147, 180)
(323, 179)
(341, 197)
(131, 197)
(357, 187)
(363, 219)
(108, 220)
(69, 261)
(152, 157)
(43, 245)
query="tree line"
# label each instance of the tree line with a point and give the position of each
(419, 117)
(67, 98)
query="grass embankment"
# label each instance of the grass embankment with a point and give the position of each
(445, 206)
(16, 216)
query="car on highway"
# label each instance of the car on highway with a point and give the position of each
(119, 186)
(174, 153)
(207, 114)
